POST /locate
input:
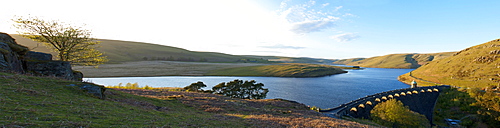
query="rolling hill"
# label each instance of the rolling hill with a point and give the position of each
(127, 51)
(477, 66)
(411, 60)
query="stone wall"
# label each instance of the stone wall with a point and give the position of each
(18, 58)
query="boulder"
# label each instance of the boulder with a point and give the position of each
(10, 54)
(95, 90)
(61, 69)
(38, 56)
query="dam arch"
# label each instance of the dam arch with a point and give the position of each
(419, 99)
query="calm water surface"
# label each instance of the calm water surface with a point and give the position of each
(323, 92)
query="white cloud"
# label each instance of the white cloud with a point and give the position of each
(324, 5)
(309, 17)
(345, 37)
(312, 26)
(281, 46)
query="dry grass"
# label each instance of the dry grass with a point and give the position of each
(260, 113)
(156, 68)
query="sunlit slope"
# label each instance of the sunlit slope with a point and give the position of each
(412, 60)
(282, 70)
(347, 61)
(45, 102)
(124, 51)
(294, 59)
(477, 66)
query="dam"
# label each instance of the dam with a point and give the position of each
(419, 99)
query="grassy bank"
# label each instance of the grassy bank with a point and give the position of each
(45, 102)
(27, 101)
(282, 70)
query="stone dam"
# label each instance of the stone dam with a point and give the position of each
(418, 99)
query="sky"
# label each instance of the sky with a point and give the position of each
(330, 29)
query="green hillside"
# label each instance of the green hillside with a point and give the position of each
(126, 51)
(347, 61)
(45, 102)
(413, 60)
(477, 66)
(283, 70)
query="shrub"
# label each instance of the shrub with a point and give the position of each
(195, 87)
(240, 89)
(393, 113)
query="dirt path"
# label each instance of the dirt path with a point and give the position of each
(156, 68)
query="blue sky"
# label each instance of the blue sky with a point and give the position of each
(333, 29)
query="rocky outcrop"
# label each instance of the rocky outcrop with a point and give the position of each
(10, 54)
(18, 58)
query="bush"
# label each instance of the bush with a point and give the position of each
(240, 89)
(393, 113)
(195, 87)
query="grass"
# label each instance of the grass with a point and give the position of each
(395, 60)
(27, 101)
(127, 51)
(45, 102)
(281, 70)
(476, 67)
(156, 68)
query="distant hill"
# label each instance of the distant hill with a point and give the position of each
(294, 59)
(411, 60)
(477, 66)
(126, 51)
(347, 61)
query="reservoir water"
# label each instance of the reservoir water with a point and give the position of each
(323, 92)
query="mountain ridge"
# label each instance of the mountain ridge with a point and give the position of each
(402, 60)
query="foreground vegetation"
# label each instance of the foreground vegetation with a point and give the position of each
(47, 102)
(473, 107)
(393, 113)
(282, 70)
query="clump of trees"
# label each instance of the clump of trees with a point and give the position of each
(241, 89)
(234, 89)
(393, 113)
(195, 87)
(71, 43)
(471, 106)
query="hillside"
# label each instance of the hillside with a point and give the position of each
(282, 70)
(477, 66)
(347, 61)
(412, 60)
(28, 101)
(294, 59)
(126, 51)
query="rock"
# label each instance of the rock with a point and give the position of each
(40, 56)
(18, 58)
(60, 69)
(94, 90)
(10, 54)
